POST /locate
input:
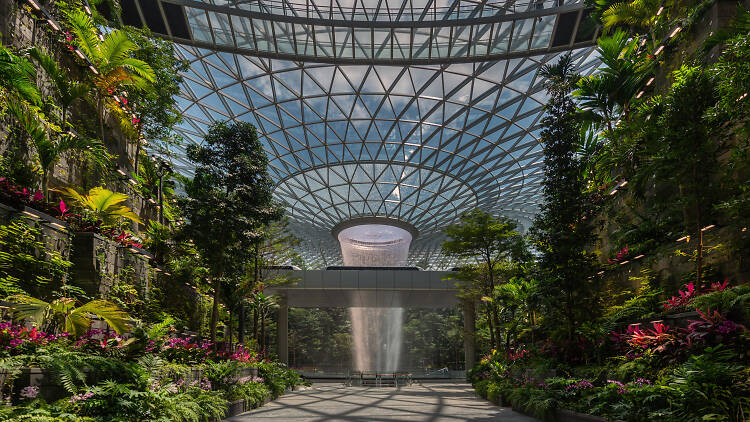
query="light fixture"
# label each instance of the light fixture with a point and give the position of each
(166, 273)
(661, 9)
(151, 200)
(132, 181)
(742, 97)
(683, 238)
(53, 24)
(675, 32)
(132, 249)
(93, 69)
(80, 54)
(116, 98)
(34, 5)
(659, 50)
(87, 8)
(624, 262)
(624, 182)
(57, 225)
(614, 191)
(639, 257)
(709, 227)
(650, 81)
(30, 214)
(122, 173)
(744, 229)
(600, 272)
(640, 94)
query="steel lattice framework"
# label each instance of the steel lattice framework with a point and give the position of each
(389, 116)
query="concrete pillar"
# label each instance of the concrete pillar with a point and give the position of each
(282, 338)
(469, 332)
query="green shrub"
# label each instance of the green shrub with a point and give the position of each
(254, 392)
(493, 392)
(481, 387)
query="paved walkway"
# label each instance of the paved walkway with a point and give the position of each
(418, 402)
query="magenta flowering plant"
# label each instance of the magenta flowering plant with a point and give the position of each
(192, 351)
(19, 340)
(683, 298)
(18, 196)
(713, 328)
(579, 386)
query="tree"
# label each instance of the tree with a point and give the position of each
(228, 200)
(607, 95)
(562, 230)
(685, 153)
(487, 240)
(114, 61)
(156, 108)
(636, 14)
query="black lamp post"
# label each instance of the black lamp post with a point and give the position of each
(163, 169)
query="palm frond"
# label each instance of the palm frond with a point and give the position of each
(25, 306)
(85, 34)
(108, 311)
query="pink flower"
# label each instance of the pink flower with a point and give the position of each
(29, 392)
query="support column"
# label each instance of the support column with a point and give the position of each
(282, 339)
(467, 306)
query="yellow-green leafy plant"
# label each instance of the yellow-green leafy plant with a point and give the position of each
(102, 205)
(63, 315)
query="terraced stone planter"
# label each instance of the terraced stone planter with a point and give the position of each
(94, 262)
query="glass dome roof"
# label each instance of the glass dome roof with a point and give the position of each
(403, 134)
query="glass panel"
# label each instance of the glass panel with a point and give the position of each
(421, 42)
(222, 31)
(381, 40)
(198, 24)
(343, 42)
(401, 43)
(362, 42)
(243, 32)
(460, 40)
(263, 35)
(501, 38)
(284, 40)
(441, 41)
(303, 33)
(324, 41)
(481, 39)
(521, 35)
(543, 32)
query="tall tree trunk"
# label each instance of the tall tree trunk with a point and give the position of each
(231, 329)
(241, 323)
(255, 325)
(216, 281)
(490, 324)
(699, 228)
(101, 117)
(263, 331)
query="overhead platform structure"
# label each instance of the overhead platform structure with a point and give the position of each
(374, 288)
(456, 32)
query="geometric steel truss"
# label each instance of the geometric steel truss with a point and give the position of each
(418, 141)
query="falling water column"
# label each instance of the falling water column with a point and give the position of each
(376, 332)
